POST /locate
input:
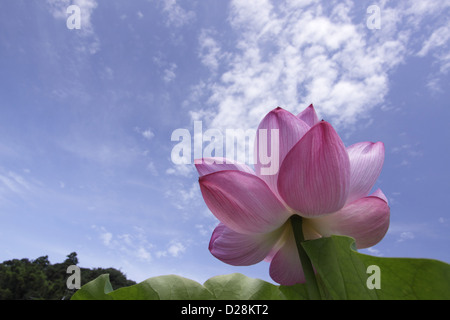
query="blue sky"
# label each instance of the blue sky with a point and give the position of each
(86, 118)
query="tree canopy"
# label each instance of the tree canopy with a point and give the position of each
(24, 279)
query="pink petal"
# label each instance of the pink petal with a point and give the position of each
(214, 164)
(366, 220)
(366, 162)
(240, 249)
(309, 116)
(308, 232)
(315, 175)
(285, 267)
(378, 193)
(242, 201)
(289, 129)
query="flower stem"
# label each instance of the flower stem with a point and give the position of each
(311, 282)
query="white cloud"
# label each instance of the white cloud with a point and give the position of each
(302, 52)
(126, 245)
(438, 46)
(415, 11)
(104, 150)
(148, 134)
(58, 10)
(408, 153)
(127, 239)
(89, 42)
(438, 38)
(188, 195)
(407, 149)
(169, 73)
(152, 168)
(176, 15)
(411, 231)
(210, 52)
(184, 197)
(404, 163)
(182, 170)
(14, 185)
(106, 238)
(13, 182)
(175, 249)
(168, 68)
(202, 230)
(407, 235)
(143, 254)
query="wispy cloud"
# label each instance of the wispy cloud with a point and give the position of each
(301, 52)
(169, 73)
(13, 182)
(106, 237)
(403, 232)
(167, 68)
(148, 134)
(174, 249)
(135, 245)
(291, 56)
(407, 149)
(438, 45)
(184, 197)
(151, 167)
(177, 16)
(89, 42)
(407, 152)
(438, 39)
(102, 149)
(181, 170)
(17, 188)
(404, 236)
(58, 8)
(210, 51)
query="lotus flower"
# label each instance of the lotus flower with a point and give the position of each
(318, 179)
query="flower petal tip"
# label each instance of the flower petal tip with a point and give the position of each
(314, 177)
(309, 115)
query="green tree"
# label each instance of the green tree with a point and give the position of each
(39, 279)
(71, 259)
(22, 279)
